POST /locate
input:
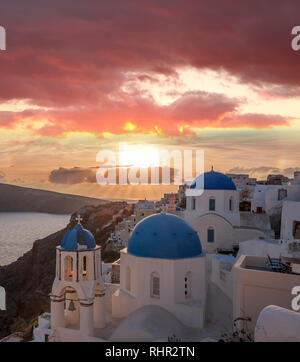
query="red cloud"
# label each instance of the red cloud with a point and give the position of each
(193, 109)
(75, 57)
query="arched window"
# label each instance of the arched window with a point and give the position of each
(188, 285)
(128, 278)
(68, 267)
(85, 267)
(231, 204)
(212, 204)
(210, 235)
(155, 285)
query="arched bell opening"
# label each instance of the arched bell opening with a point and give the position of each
(69, 268)
(71, 309)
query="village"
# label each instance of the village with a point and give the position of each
(220, 266)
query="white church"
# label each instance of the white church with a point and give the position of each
(163, 266)
(215, 214)
(162, 273)
(163, 288)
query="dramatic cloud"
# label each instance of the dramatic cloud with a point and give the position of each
(78, 175)
(73, 175)
(136, 114)
(75, 59)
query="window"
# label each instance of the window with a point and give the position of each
(210, 235)
(85, 267)
(230, 204)
(128, 278)
(188, 285)
(68, 268)
(155, 285)
(296, 229)
(282, 194)
(193, 203)
(212, 204)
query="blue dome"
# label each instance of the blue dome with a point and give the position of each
(78, 235)
(164, 236)
(214, 181)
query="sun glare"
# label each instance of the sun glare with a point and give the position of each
(138, 156)
(129, 126)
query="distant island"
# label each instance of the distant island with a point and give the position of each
(22, 199)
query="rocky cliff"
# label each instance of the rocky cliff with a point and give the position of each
(28, 281)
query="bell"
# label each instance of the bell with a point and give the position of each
(72, 306)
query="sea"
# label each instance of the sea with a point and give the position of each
(19, 230)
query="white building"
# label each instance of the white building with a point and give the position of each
(261, 198)
(215, 214)
(296, 178)
(290, 221)
(257, 286)
(242, 180)
(162, 275)
(106, 272)
(168, 285)
(77, 297)
(277, 324)
(124, 228)
(221, 273)
(163, 266)
(269, 198)
(144, 208)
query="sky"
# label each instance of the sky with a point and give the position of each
(80, 77)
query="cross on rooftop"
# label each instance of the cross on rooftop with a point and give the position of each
(78, 219)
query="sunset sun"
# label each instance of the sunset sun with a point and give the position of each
(139, 156)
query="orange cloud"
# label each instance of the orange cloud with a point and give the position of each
(191, 111)
(76, 61)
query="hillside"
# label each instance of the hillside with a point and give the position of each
(23, 199)
(28, 280)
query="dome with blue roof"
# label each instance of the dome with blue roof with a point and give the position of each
(213, 181)
(78, 236)
(164, 236)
